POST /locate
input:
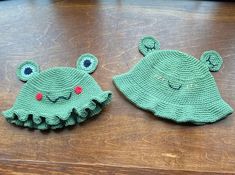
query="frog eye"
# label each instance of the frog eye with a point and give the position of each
(148, 44)
(39, 96)
(26, 70)
(212, 60)
(87, 62)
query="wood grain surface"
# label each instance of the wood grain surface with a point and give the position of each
(123, 139)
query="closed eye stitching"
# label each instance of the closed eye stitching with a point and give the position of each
(60, 97)
(151, 48)
(208, 60)
(169, 84)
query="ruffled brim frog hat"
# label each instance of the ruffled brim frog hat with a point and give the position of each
(57, 97)
(175, 85)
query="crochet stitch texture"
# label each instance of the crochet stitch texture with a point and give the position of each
(175, 85)
(57, 97)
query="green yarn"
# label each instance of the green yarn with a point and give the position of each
(176, 86)
(148, 44)
(56, 98)
(212, 59)
(27, 69)
(87, 62)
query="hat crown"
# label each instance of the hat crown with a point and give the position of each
(178, 64)
(57, 79)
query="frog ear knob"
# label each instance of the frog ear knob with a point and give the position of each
(148, 44)
(87, 62)
(26, 70)
(212, 60)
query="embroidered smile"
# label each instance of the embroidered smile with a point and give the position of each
(60, 97)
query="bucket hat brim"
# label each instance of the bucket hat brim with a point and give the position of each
(196, 114)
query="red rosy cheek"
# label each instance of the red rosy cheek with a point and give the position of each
(39, 96)
(78, 89)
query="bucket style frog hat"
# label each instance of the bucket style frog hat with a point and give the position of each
(175, 85)
(57, 97)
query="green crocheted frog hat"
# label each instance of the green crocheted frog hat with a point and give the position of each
(175, 85)
(57, 97)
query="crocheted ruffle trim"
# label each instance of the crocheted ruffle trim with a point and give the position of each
(73, 116)
(195, 114)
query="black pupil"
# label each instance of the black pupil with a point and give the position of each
(87, 63)
(28, 71)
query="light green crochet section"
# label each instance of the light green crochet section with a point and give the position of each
(56, 98)
(176, 86)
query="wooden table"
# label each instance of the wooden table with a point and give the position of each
(123, 139)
